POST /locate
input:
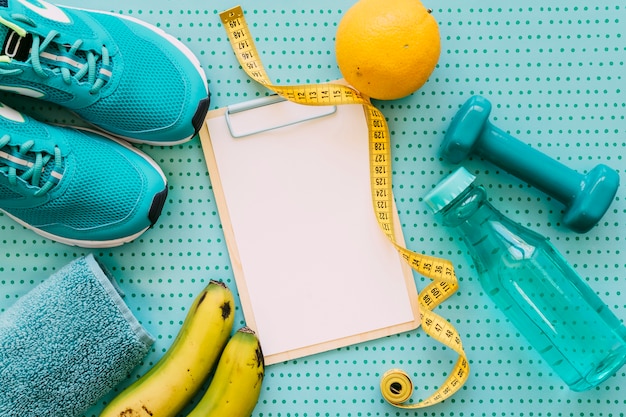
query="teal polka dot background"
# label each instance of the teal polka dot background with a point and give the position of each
(555, 74)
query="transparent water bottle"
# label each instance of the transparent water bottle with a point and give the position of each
(535, 287)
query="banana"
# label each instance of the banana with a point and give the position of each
(171, 383)
(236, 385)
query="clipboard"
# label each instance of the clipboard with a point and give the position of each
(313, 269)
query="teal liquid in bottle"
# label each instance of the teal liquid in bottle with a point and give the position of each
(535, 287)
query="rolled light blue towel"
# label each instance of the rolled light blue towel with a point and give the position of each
(66, 343)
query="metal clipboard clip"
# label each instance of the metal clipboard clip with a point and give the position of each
(287, 114)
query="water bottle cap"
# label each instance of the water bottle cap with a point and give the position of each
(448, 189)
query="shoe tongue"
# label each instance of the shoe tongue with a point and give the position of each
(15, 46)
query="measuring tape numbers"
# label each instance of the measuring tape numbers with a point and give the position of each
(396, 385)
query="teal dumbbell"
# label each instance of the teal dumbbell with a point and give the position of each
(586, 197)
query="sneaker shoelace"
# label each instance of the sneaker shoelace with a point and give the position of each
(68, 60)
(39, 169)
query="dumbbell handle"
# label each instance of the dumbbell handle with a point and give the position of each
(528, 164)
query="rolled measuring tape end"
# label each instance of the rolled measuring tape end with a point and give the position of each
(396, 386)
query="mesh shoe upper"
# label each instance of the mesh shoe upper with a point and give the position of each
(122, 75)
(75, 187)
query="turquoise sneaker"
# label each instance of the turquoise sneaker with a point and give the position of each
(76, 187)
(121, 75)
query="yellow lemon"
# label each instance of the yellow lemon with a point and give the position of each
(387, 49)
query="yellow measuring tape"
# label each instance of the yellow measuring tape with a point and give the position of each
(396, 385)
